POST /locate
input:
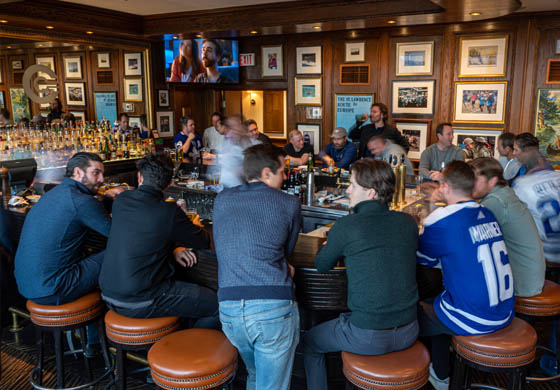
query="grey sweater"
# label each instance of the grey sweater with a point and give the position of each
(432, 157)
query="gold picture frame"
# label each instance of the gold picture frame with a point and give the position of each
(410, 61)
(483, 56)
(308, 91)
(472, 98)
(133, 90)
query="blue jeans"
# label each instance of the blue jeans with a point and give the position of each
(266, 334)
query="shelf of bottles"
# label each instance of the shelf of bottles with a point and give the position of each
(53, 145)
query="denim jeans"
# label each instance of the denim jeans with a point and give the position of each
(266, 334)
(340, 335)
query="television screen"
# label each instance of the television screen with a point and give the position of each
(201, 60)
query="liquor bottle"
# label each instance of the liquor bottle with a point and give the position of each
(106, 149)
(126, 152)
(101, 153)
(331, 167)
(310, 166)
(297, 184)
(291, 186)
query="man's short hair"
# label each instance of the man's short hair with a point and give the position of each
(383, 108)
(261, 156)
(292, 133)
(460, 177)
(81, 160)
(184, 120)
(219, 50)
(156, 170)
(439, 128)
(507, 139)
(376, 174)
(250, 122)
(526, 140)
(5, 113)
(216, 114)
(378, 137)
(123, 114)
(489, 168)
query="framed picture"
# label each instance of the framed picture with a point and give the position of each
(165, 123)
(546, 122)
(308, 91)
(313, 113)
(349, 107)
(311, 135)
(79, 115)
(48, 62)
(133, 90)
(103, 60)
(414, 58)
(354, 51)
(413, 97)
(133, 64)
(483, 57)
(1, 72)
(2, 100)
(134, 121)
(47, 91)
(105, 106)
(73, 67)
(20, 104)
(17, 65)
(272, 61)
(558, 46)
(75, 94)
(163, 97)
(308, 60)
(416, 132)
(480, 102)
(477, 142)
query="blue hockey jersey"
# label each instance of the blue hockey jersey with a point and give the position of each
(466, 241)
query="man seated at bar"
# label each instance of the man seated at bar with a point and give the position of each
(511, 166)
(539, 188)
(436, 157)
(297, 151)
(148, 236)
(254, 132)
(521, 236)
(256, 227)
(380, 261)
(188, 140)
(212, 138)
(466, 241)
(339, 152)
(383, 149)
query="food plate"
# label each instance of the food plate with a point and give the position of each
(33, 198)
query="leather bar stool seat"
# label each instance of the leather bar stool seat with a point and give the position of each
(546, 304)
(138, 331)
(402, 370)
(193, 359)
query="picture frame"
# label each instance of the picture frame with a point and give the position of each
(73, 68)
(348, 107)
(75, 94)
(472, 102)
(2, 99)
(1, 72)
(547, 115)
(105, 106)
(165, 121)
(557, 46)
(311, 134)
(314, 113)
(308, 91)
(103, 60)
(485, 141)
(133, 64)
(133, 91)
(414, 58)
(17, 64)
(20, 104)
(134, 121)
(413, 97)
(79, 115)
(48, 62)
(44, 92)
(416, 132)
(272, 58)
(308, 60)
(354, 51)
(163, 97)
(483, 56)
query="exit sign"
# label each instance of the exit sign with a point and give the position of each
(247, 59)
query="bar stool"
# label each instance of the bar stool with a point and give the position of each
(510, 351)
(553, 270)
(402, 370)
(193, 359)
(126, 334)
(59, 318)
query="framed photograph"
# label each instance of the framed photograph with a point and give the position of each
(103, 60)
(17, 65)
(73, 67)
(272, 61)
(483, 57)
(165, 123)
(415, 58)
(313, 113)
(480, 102)
(79, 115)
(477, 142)
(75, 94)
(133, 64)
(311, 135)
(134, 121)
(547, 119)
(354, 51)
(349, 107)
(47, 91)
(163, 97)
(1, 72)
(558, 46)
(308, 60)
(20, 104)
(416, 132)
(105, 106)
(133, 90)
(48, 62)
(2, 100)
(413, 97)
(308, 91)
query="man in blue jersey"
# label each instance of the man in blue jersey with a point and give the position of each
(188, 140)
(466, 241)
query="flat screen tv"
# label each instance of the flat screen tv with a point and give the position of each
(201, 60)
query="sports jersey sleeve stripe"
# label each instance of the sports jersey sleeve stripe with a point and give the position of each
(459, 323)
(474, 318)
(445, 212)
(426, 260)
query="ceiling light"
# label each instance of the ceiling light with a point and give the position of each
(8, 47)
(3, 21)
(40, 45)
(254, 32)
(89, 32)
(49, 27)
(476, 13)
(391, 21)
(199, 35)
(316, 27)
(175, 37)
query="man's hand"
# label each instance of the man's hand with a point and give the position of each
(112, 193)
(327, 159)
(184, 256)
(436, 175)
(291, 269)
(196, 221)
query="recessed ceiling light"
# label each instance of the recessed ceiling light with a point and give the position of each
(89, 32)
(175, 37)
(199, 35)
(49, 27)
(8, 47)
(3, 21)
(254, 32)
(316, 27)
(476, 13)
(40, 45)
(391, 21)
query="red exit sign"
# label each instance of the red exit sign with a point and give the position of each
(247, 59)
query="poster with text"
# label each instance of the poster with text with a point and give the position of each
(106, 106)
(351, 107)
